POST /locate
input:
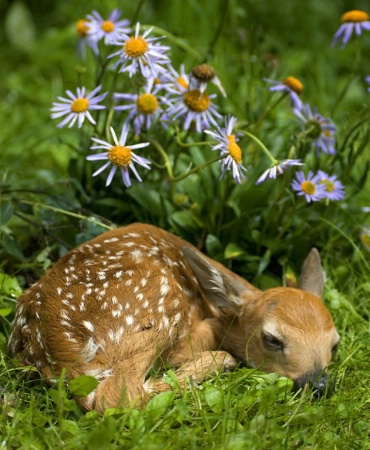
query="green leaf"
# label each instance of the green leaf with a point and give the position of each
(160, 404)
(9, 286)
(19, 26)
(184, 220)
(233, 250)
(12, 247)
(213, 245)
(214, 397)
(101, 436)
(6, 212)
(70, 426)
(5, 311)
(265, 260)
(82, 386)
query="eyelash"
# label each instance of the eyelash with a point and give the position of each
(272, 342)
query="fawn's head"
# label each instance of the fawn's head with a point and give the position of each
(284, 330)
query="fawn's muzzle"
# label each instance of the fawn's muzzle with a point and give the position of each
(317, 381)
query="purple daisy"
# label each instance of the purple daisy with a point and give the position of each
(320, 130)
(310, 187)
(352, 21)
(334, 189)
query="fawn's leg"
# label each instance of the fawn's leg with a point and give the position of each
(196, 370)
(125, 385)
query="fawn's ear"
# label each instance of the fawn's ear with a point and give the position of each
(312, 275)
(221, 289)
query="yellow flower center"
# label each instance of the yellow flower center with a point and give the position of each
(147, 103)
(293, 84)
(80, 105)
(120, 155)
(355, 16)
(308, 187)
(82, 28)
(182, 82)
(135, 47)
(196, 101)
(107, 26)
(329, 185)
(234, 149)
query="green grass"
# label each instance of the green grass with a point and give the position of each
(49, 203)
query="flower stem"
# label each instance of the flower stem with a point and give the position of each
(268, 110)
(175, 40)
(263, 147)
(69, 213)
(168, 166)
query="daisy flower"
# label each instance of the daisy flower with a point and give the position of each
(351, 21)
(203, 74)
(84, 41)
(143, 108)
(77, 107)
(310, 186)
(140, 53)
(278, 168)
(290, 85)
(120, 156)
(318, 129)
(334, 189)
(111, 29)
(228, 147)
(194, 108)
(174, 82)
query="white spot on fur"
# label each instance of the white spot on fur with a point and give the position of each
(88, 325)
(90, 349)
(137, 255)
(116, 335)
(113, 239)
(129, 320)
(99, 374)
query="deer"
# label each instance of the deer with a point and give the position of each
(138, 297)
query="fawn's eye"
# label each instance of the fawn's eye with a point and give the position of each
(272, 342)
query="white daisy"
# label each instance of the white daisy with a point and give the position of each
(119, 155)
(140, 53)
(77, 107)
(227, 145)
(278, 168)
(111, 29)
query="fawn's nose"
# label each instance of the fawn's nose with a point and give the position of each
(317, 381)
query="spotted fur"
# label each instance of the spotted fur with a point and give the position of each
(139, 297)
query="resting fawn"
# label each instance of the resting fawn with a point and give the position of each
(139, 297)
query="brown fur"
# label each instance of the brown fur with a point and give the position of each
(139, 297)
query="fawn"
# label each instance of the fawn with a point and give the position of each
(139, 297)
